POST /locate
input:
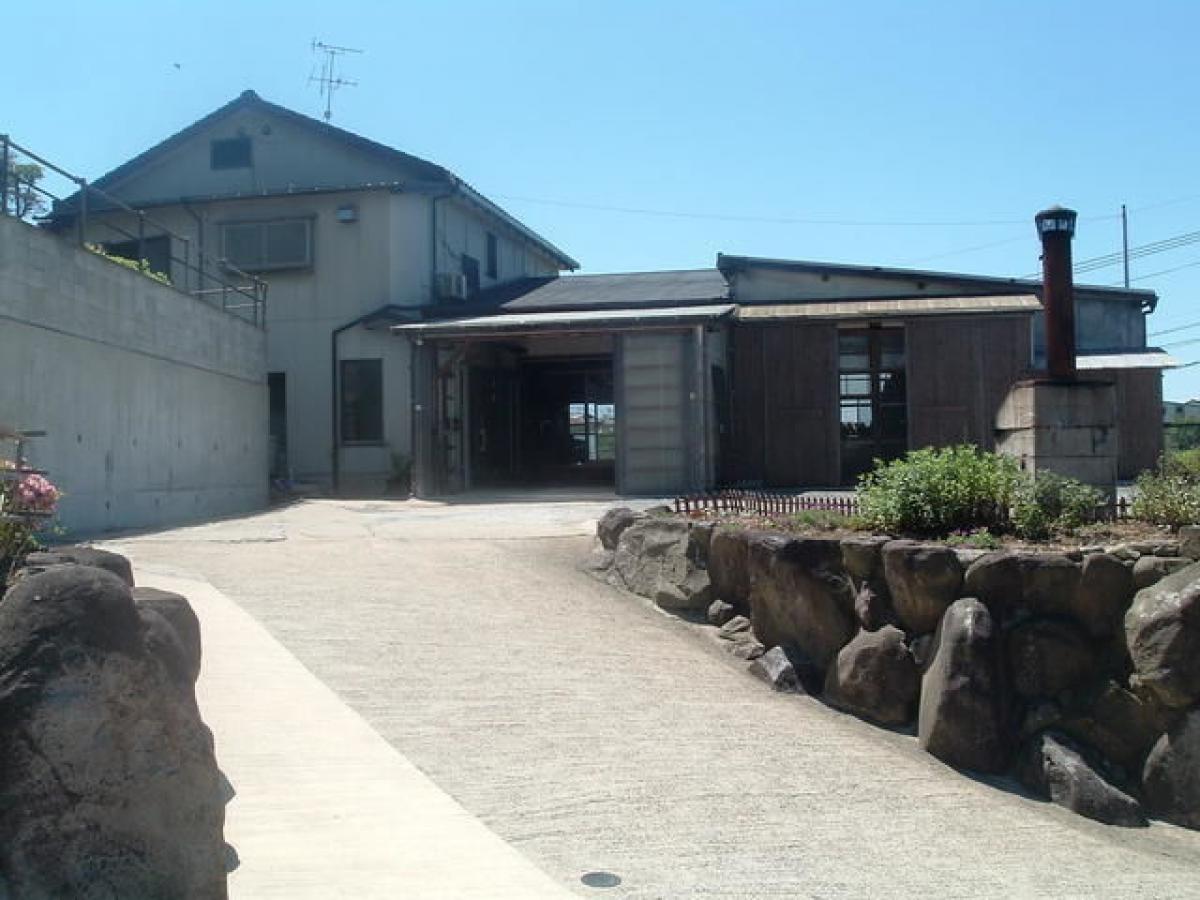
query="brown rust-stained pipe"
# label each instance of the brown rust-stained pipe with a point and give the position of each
(1056, 228)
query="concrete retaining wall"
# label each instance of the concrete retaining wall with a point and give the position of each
(154, 403)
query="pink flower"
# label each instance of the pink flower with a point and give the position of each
(35, 493)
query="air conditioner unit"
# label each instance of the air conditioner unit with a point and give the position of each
(452, 286)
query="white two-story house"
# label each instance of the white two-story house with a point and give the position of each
(350, 238)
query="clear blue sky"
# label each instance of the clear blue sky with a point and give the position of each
(920, 134)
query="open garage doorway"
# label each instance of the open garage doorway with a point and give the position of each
(537, 419)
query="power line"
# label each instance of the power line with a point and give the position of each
(1111, 259)
(772, 220)
(1194, 262)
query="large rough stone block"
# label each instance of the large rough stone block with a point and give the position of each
(874, 676)
(652, 552)
(800, 595)
(924, 579)
(1049, 656)
(1121, 725)
(612, 524)
(728, 567)
(1104, 594)
(1189, 541)
(83, 556)
(1171, 778)
(1044, 583)
(1054, 768)
(961, 717)
(1162, 631)
(863, 556)
(1150, 570)
(179, 615)
(107, 767)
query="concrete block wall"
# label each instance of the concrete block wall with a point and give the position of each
(154, 402)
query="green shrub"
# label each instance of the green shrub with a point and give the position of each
(823, 520)
(1166, 498)
(1184, 464)
(971, 495)
(937, 491)
(1050, 502)
(980, 539)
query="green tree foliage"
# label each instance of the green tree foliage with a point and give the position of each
(22, 197)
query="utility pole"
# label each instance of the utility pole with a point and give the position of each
(328, 79)
(1125, 243)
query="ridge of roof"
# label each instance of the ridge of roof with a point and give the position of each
(249, 99)
(728, 263)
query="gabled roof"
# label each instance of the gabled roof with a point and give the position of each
(428, 176)
(626, 290)
(955, 281)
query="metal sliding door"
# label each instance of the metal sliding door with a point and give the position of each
(653, 413)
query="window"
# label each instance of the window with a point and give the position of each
(873, 398)
(231, 153)
(593, 431)
(362, 401)
(493, 265)
(470, 268)
(258, 246)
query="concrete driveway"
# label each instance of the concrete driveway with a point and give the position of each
(593, 733)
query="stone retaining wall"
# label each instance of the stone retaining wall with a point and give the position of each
(1079, 672)
(108, 782)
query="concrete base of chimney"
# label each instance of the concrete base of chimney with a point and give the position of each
(1068, 427)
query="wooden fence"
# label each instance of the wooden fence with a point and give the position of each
(766, 503)
(770, 503)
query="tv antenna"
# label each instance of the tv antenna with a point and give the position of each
(328, 79)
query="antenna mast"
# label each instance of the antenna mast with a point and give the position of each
(328, 80)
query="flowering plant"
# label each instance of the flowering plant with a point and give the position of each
(23, 502)
(35, 493)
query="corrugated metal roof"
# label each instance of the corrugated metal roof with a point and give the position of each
(563, 321)
(1145, 359)
(902, 306)
(690, 287)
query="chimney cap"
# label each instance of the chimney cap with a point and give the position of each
(1056, 219)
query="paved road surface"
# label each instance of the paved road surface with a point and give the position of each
(593, 732)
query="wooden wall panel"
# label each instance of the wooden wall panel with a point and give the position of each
(1139, 418)
(959, 371)
(784, 405)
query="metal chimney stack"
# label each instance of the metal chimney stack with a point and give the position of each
(1056, 228)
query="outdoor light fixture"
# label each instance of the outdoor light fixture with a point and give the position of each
(1056, 219)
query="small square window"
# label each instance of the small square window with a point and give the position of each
(230, 153)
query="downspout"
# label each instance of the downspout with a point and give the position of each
(199, 243)
(335, 453)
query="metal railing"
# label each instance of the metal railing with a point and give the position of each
(204, 277)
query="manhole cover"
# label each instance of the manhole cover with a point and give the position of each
(601, 879)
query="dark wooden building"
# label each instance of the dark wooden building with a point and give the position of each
(769, 373)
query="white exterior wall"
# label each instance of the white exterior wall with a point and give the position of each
(382, 258)
(389, 256)
(152, 401)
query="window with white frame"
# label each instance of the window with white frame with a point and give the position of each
(262, 246)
